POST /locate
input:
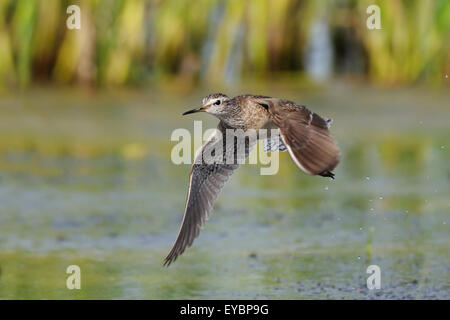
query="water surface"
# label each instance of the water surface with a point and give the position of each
(86, 179)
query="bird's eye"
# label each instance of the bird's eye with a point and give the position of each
(217, 102)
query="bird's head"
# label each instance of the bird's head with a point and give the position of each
(215, 104)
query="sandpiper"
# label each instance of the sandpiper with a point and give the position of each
(304, 134)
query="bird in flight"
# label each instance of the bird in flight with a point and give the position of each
(303, 133)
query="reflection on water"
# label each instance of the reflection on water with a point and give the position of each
(87, 180)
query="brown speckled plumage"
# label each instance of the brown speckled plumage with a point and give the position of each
(304, 133)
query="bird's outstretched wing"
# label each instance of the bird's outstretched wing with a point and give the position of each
(306, 136)
(211, 169)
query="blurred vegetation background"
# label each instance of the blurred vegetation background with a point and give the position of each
(152, 41)
(86, 118)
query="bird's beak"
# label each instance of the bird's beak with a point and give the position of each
(194, 111)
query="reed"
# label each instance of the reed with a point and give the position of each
(145, 41)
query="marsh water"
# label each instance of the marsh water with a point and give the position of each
(86, 179)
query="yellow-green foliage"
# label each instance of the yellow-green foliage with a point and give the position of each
(123, 42)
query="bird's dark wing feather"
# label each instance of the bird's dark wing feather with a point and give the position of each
(205, 183)
(306, 136)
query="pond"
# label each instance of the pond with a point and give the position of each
(86, 179)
